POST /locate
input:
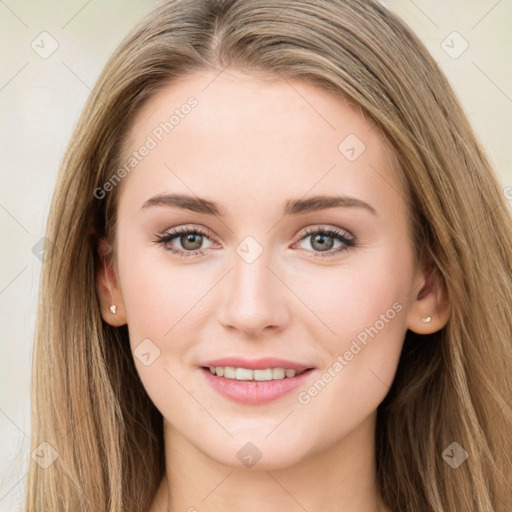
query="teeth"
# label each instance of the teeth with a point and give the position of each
(243, 374)
(264, 374)
(230, 372)
(279, 373)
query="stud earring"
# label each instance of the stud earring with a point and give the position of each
(426, 319)
(113, 307)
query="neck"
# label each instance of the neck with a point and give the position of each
(340, 477)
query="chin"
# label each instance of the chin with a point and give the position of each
(258, 454)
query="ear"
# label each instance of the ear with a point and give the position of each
(431, 300)
(107, 283)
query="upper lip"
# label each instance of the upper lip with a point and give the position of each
(257, 364)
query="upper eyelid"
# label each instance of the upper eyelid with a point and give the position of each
(176, 232)
(328, 228)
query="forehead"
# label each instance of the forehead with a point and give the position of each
(254, 134)
(258, 104)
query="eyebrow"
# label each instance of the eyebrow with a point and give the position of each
(292, 206)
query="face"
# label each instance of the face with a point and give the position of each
(272, 273)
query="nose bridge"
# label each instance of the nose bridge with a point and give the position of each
(253, 298)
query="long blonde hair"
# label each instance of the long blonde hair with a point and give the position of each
(452, 386)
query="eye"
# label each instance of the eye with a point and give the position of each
(190, 240)
(323, 240)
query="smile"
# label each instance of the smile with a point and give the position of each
(254, 387)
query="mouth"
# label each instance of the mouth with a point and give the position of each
(255, 386)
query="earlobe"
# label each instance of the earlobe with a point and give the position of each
(430, 309)
(112, 309)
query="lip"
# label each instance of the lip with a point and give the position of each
(257, 364)
(255, 392)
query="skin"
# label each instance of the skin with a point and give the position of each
(249, 145)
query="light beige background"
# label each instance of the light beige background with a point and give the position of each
(40, 102)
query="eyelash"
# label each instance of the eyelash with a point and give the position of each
(331, 232)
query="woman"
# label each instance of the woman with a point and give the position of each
(282, 276)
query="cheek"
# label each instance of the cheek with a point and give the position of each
(159, 300)
(352, 297)
(364, 308)
(366, 311)
(158, 296)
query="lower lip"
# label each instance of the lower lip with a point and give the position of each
(254, 392)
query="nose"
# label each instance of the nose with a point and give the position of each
(253, 297)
